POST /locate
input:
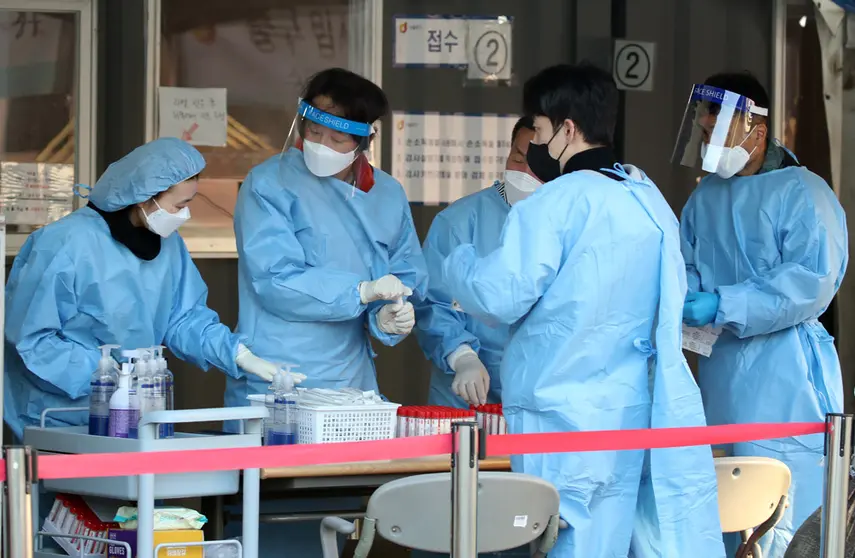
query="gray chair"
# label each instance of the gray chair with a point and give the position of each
(514, 510)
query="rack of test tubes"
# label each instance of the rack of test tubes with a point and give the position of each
(70, 515)
(431, 420)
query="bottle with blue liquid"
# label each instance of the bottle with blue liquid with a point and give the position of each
(284, 428)
(166, 380)
(102, 386)
(270, 405)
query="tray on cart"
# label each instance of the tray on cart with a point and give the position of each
(76, 440)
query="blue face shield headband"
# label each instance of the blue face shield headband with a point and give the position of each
(337, 123)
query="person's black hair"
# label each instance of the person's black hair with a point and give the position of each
(359, 99)
(195, 176)
(742, 83)
(583, 93)
(526, 122)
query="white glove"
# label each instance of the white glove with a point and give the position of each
(256, 366)
(471, 379)
(387, 287)
(397, 318)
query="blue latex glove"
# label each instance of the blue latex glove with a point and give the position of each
(700, 309)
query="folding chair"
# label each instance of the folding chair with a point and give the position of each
(514, 510)
(752, 497)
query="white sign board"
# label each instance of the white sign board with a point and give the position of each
(198, 116)
(700, 339)
(437, 41)
(632, 67)
(35, 193)
(439, 158)
(489, 49)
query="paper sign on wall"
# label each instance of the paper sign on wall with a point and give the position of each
(198, 116)
(489, 49)
(632, 67)
(35, 193)
(438, 41)
(439, 158)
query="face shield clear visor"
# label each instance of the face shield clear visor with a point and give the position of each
(330, 143)
(715, 121)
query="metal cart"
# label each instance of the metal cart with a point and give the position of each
(145, 489)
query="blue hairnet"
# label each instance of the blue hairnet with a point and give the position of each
(145, 172)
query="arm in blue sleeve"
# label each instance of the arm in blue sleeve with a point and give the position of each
(276, 266)
(439, 328)
(503, 286)
(687, 246)
(814, 252)
(42, 302)
(194, 332)
(407, 263)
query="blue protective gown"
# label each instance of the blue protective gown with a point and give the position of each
(305, 243)
(775, 247)
(476, 219)
(586, 267)
(73, 287)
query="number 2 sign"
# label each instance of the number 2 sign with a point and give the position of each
(489, 49)
(632, 67)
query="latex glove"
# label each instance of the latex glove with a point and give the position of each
(254, 365)
(397, 318)
(387, 287)
(700, 309)
(471, 379)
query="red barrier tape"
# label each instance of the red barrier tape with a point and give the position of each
(654, 438)
(190, 461)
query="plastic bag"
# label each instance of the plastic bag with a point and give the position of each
(165, 519)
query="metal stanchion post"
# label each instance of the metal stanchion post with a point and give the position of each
(838, 452)
(464, 490)
(20, 476)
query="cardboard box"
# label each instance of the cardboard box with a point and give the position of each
(160, 537)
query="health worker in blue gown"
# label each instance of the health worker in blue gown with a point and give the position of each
(329, 256)
(766, 247)
(112, 272)
(465, 352)
(589, 276)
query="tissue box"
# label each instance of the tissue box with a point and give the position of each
(160, 537)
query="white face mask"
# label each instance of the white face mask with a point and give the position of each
(323, 161)
(164, 223)
(519, 185)
(725, 161)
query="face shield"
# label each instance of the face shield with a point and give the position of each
(330, 143)
(715, 126)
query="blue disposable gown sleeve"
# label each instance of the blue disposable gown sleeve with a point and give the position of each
(687, 246)
(813, 246)
(43, 300)
(278, 271)
(194, 332)
(407, 263)
(503, 286)
(439, 328)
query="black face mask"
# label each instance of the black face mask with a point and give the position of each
(541, 162)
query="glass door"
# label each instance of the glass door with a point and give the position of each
(47, 115)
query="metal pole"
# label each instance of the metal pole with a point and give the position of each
(838, 452)
(464, 490)
(251, 498)
(20, 475)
